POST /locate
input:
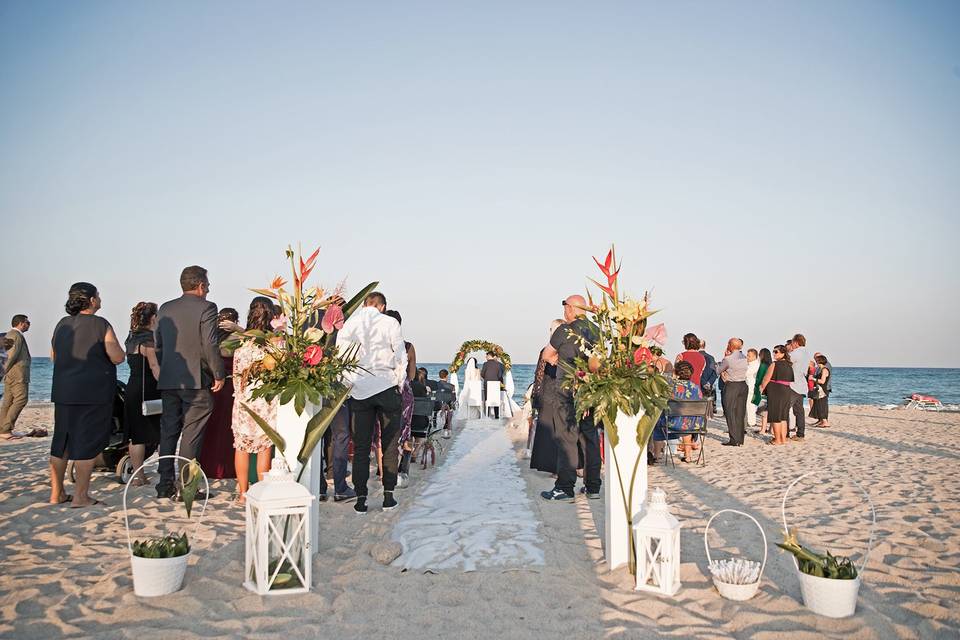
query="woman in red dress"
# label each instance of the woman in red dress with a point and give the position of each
(216, 456)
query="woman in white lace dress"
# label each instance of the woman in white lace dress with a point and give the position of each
(248, 437)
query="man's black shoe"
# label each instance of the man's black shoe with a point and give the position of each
(389, 504)
(361, 507)
(322, 497)
(166, 491)
(557, 495)
(730, 444)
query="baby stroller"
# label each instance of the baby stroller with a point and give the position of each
(115, 457)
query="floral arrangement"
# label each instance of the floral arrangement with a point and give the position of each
(302, 362)
(816, 564)
(617, 371)
(471, 346)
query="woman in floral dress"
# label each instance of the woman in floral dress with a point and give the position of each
(684, 389)
(248, 437)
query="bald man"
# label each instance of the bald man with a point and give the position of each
(569, 431)
(733, 372)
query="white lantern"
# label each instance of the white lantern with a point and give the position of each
(657, 539)
(278, 534)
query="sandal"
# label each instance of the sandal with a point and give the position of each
(81, 506)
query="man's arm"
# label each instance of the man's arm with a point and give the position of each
(210, 347)
(399, 351)
(15, 350)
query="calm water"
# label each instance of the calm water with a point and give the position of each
(852, 385)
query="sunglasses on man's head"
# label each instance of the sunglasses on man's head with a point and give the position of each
(564, 303)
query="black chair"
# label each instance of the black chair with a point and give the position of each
(686, 409)
(421, 425)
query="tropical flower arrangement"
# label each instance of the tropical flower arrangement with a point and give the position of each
(617, 372)
(302, 362)
(471, 346)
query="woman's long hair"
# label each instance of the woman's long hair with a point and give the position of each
(141, 315)
(765, 356)
(260, 314)
(80, 297)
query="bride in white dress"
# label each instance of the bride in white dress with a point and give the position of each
(470, 374)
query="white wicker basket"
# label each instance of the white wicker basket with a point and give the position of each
(159, 576)
(827, 596)
(730, 591)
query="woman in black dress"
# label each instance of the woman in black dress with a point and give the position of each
(821, 407)
(548, 402)
(141, 385)
(85, 353)
(776, 386)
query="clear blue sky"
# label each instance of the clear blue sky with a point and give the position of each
(765, 167)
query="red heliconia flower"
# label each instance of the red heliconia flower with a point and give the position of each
(643, 355)
(277, 283)
(605, 267)
(332, 319)
(307, 267)
(312, 355)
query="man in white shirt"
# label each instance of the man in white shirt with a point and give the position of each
(800, 358)
(733, 372)
(375, 393)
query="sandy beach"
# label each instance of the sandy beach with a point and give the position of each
(65, 572)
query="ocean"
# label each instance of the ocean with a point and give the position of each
(851, 385)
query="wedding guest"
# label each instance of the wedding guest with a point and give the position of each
(758, 400)
(691, 354)
(248, 437)
(16, 376)
(733, 371)
(683, 389)
(753, 365)
(406, 407)
(217, 457)
(546, 399)
(709, 377)
(446, 395)
(85, 353)
(191, 371)
(821, 409)
(492, 371)
(574, 434)
(777, 383)
(800, 360)
(141, 429)
(662, 363)
(382, 359)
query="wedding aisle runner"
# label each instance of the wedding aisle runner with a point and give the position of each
(474, 512)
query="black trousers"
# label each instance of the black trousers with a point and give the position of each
(386, 406)
(185, 414)
(339, 437)
(585, 434)
(798, 412)
(734, 401)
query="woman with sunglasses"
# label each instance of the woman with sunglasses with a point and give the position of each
(776, 386)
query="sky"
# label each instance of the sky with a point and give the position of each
(763, 168)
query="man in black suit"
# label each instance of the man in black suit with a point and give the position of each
(190, 369)
(492, 371)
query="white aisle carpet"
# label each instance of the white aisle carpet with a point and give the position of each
(474, 512)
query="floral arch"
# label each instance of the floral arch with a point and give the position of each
(471, 346)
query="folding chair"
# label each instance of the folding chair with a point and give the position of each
(494, 401)
(422, 417)
(474, 397)
(687, 409)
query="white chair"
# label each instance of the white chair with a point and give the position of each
(474, 389)
(493, 398)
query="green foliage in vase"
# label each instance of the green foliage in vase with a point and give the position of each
(169, 546)
(815, 564)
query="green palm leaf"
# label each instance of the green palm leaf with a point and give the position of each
(318, 425)
(275, 437)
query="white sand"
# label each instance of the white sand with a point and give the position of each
(65, 573)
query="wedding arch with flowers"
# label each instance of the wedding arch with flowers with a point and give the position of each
(472, 346)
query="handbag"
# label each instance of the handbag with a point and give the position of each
(148, 407)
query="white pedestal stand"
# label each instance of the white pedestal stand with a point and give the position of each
(292, 427)
(616, 530)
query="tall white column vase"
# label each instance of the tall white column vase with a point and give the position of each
(291, 428)
(617, 531)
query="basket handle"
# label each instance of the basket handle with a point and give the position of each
(873, 512)
(706, 546)
(126, 516)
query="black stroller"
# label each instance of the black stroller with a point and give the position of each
(115, 457)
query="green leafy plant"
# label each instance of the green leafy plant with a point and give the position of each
(815, 564)
(616, 372)
(169, 546)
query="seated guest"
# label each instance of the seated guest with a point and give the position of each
(683, 389)
(431, 384)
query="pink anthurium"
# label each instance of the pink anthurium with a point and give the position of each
(332, 319)
(312, 355)
(657, 333)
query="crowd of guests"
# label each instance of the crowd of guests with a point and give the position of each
(759, 389)
(186, 393)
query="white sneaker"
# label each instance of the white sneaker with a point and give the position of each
(526, 454)
(446, 434)
(402, 480)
